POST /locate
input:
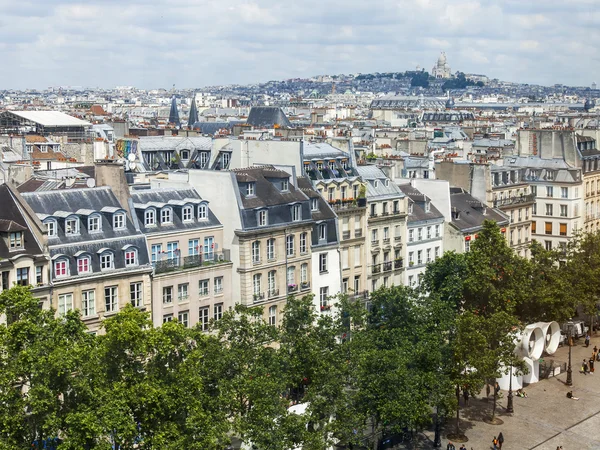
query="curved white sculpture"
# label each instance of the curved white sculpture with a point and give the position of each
(504, 380)
(551, 332)
(533, 370)
(531, 344)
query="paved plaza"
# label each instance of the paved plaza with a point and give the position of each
(544, 420)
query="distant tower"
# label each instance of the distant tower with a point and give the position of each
(333, 88)
(193, 117)
(174, 114)
(594, 87)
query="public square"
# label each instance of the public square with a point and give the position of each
(543, 421)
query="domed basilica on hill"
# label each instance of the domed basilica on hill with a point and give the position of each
(441, 69)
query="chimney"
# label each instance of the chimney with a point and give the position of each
(112, 174)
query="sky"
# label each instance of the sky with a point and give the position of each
(195, 43)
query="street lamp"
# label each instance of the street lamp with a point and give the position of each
(509, 407)
(437, 440)
(569, 371)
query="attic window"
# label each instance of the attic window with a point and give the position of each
(202, 212)
(285, 185)
(94, 223)
(184, 154)
(376, 183)
(51, 228)
(118, 221)
(427, 206)
(16, 240)
(166, 215)
(410, 208)
(72, 226)
(150, 217)
(314, 204)
(387, 183)
(187, 213)
(250, 189)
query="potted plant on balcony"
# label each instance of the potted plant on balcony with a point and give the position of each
(411, 263)
(325, 307)
(292, 287)
(362, 196)
(304, 284)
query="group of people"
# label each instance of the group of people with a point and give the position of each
(498, 441)
(451, 446)
(588, 365)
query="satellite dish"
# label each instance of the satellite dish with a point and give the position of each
(90, 182)
(131, 157)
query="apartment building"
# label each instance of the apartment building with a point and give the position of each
(192, 269)
(590, 162)
(425, 229)
(99, 258)
(387, 211)
(24, 258)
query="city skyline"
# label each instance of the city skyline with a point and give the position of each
(193, 44)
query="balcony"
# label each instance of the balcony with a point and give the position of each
(258, 296)
(398, 263)
(396, 212)
(273, 293)
(188, 262)
(361, 295)
(305, 285)
(292, 288)
(376, 268)
(398, 238)
(345, 235)
(387, 266)
(346, 205)
(529, 198)
(386, 240)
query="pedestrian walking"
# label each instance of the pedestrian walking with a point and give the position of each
(587, 340)
(495, 443)
(500, 440)
(592, 365)
(450, 446)
(466, 395)
(584, 367)
(595, 349)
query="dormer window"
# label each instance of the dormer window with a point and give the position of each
(202, 212)
(427, 207)
(72, 226)
(410, 208)
(16, 240)
(387, 183)
(94, 223)
(322, 232)
(314, 204)
(296, 213)
(187, 213)
(84, 265)
(61, 268)
(376, 183)
(285, 185)
(250, 189)
(131, 257)
(150, 217)
(262, 218)
(119, 221)
(51, 228)
(107, 261)
(184, 154)
(166, 215)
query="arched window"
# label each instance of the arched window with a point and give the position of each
(166, 215)
(72, 225)
(107, 260)
(150, 217)
(187, 213)
(94, 223)
(61, 267)
(84, 264)
(202, 212)
(131, 257)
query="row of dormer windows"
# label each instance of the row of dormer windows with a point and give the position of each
(72, 224)
(165, 215)
(62, 267)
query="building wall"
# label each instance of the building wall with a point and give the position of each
(330, 279)
(591, 186)
(414, 271)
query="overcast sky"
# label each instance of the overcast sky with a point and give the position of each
(194, 43)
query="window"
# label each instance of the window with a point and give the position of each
(135, 294)
(437, 231)
(533, 227)
(411, 258)
(167, 318)
(356, 283)
(344, 193)
(23, 276)
(323, 262)
(323, 296)
(548, 209)
(131, 257)
(186, 213)
(289, 245)
(548, 245)
(331, 194)
(411, 280)
(71, 226)
(256, 285)
(156, 252)
(111, 299)
(273, 315)
(94, 224)
(548, 228)
(39, 277)
(410, 208)
(202, 212)
(411, 235)
(182, 318)
(166, 215)
(167, 294)
(172, 250)
(291, 276)
(549, 191)
(51, 228)
(303, 247)
(16, 240)
(374, 235)
(564, 192)
(256, 252)
(119, 221)
(218, 284)
(61, 268)
(218, 311)
(262, 218)
(467, 246)
(150, 217)
(296, 213)
(203, 288)
(304, 273)
(83, 264)
(437, 252)
(65, 304)
(420, 234)
(271, 248)
(345, 259)
(285, 185)
(373, 210)
(428, 232)
(420, 257)
(534, 209)
(106, 261)
(182, 291)
(386, 233)
(193, 247)
(563, 210)
(184, 154)
(88, 303)
(428, 253)
(314, 204)
(209, 248)
(563, 229)
(322, 232)
(357, 255)
(384, 208)
(271, 282)
(250, 189)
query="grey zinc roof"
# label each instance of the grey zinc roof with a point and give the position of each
(266, 194)
(324, 212)
(470, 210)
(321, 150)
(10, 212)
(163, 143)
(267, 117)
(419, 214)
(535, 162)
(371, 173)
(176, 198)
